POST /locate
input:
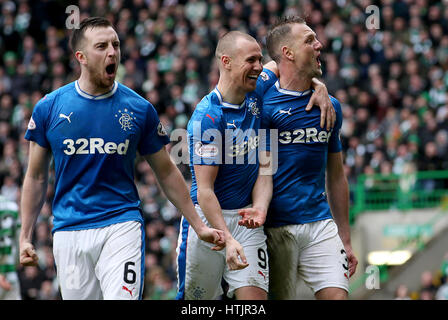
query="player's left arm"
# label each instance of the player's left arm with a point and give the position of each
(175, 189)
(338, 198)
(319, 98)
(272, 65)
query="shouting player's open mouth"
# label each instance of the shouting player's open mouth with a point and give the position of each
(110, 69)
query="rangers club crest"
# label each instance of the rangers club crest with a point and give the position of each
(125, 119)
(253, 108)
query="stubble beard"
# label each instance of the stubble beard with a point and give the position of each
(316, 73)
(98, 79)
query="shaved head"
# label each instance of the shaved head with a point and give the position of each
(239, 61)
(227, 45)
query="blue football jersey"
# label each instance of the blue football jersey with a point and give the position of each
(299, 182)
(94, 141)
(224, 134)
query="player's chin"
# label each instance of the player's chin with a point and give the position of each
(317, 73)
(251, 85)
(109, 78)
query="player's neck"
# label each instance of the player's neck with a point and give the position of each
(293, 80)
(230, 93)
(88, 86)
(295, 83)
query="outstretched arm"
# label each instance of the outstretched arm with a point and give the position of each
(205, 177)
(261, 195)
(175, 188)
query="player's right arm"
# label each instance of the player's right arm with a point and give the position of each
(205, 178)
(255, 216)
(34, 190)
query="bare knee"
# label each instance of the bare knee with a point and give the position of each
(250, 293)
(331, 294)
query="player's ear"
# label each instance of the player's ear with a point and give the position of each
(226, 61)
(287, 53)
(81, 57)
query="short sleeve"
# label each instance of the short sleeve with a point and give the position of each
(154, 135)
(335, 144)
(206, 138)
(37, 125)
(265, 80)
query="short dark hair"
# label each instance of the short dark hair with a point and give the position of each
(92, 22)
(277, 34)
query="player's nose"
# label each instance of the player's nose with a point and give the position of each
(111, 51)
(258, 66)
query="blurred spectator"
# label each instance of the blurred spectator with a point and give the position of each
(444, 267)
(426, 294)
(158, 285)
(402, 293)
(442, 292)
(31, 280)
(427, 287)
(49, 291)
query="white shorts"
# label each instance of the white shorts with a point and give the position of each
(102, 263)
(200, 270)
(313, 252)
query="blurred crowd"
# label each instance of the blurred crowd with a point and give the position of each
(391, 83)
(433, 285)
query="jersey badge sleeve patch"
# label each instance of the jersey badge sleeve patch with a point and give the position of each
(161, 129)
(264, 76)
(206, 150)
(31, 124)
